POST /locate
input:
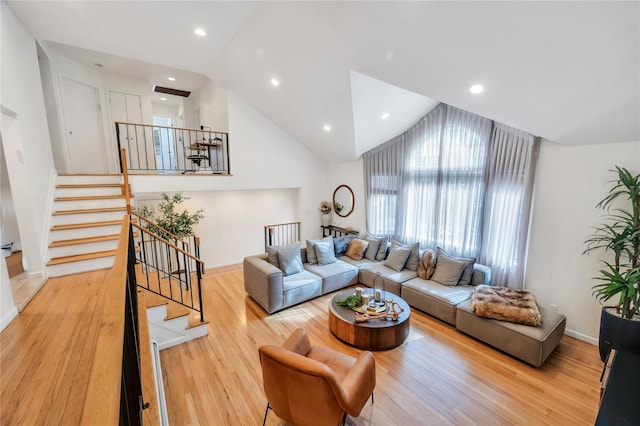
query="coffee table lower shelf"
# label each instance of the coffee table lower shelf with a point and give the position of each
(373, 335)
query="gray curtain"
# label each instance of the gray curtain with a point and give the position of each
(458, 181)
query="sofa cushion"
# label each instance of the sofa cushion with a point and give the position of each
(324, 252)
(335, 275)
(311, 250)
(435, 299)
(414, 257)
(372, 248)
(357, 263)
(392, 279)
(340, 244)
(448, 271)
(300, 287)
(356, 249)
(465, 278)
(397, 258)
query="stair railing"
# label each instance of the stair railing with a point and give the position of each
(173, 150)
(165, 264)
(169, 270)
(281, 234)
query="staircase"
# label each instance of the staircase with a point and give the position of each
(86, 219)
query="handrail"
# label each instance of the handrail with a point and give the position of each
(102, 403)
(154, 223)
(171, 127)
(169, 243)
(125, 174)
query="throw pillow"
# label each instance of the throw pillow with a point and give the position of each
(397, 258)
(340, 244)
(427, 264)
(382, 249)
(372, 249)
(448, 271)
(288, 258)
(465, 278)
(325, 253)
(356, 249)
(414, 257)
(311, 251)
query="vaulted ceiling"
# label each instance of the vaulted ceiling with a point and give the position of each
(565, 71)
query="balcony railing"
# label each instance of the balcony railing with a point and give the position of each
(173, 150)
(281, 234)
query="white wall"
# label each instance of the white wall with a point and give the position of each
(164, 110)
(275, 179)
(211, 102)
(26, 144)
(570, 180)
(8, 310)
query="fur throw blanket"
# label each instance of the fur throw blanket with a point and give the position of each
(506, 304)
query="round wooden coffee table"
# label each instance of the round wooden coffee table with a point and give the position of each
(375, 334)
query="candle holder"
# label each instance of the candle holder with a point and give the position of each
(378, 289)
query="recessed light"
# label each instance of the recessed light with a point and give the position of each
(171, 78)
(275, 82)
(163, 99)
(326, 128)
(385, 116)
(476, 89)
(200, 32)
(98, 65)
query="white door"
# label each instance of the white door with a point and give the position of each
(137, 140)
(84, 147)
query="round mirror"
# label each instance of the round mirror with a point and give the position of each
(343, 201)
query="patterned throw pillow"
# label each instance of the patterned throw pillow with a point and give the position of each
(427, 265)
(340, 244)
(356, 249)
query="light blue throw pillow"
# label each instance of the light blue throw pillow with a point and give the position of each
(325, 253)
(311, 251)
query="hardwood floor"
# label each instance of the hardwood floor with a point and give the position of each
(438, 376)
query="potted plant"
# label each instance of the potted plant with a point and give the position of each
(619, 235)
(178, 223)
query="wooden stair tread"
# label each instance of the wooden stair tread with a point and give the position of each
(88, 240)
(82, 211)
(86, 225)
(81, 257)
(89, 185)
(193, 323)
(90, 197)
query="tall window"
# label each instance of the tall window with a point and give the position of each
(448, 182)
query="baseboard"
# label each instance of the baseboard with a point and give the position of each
(581, 336)
(13, 312)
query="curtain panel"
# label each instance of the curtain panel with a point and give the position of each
(458, 181)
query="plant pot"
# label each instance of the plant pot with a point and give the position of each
(617, 333)
(325, 219)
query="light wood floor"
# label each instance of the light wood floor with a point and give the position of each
(438, 376)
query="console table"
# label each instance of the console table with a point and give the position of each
(336, 231)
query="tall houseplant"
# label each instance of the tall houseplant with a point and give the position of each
(177, 223)
(619, 235)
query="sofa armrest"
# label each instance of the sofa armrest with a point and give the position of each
(263, 282)
(481, 275)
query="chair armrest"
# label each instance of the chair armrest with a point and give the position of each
(263, 282)
(359, 383)
(298, 342)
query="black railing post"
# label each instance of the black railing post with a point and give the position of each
(119, 147)
(199, 274)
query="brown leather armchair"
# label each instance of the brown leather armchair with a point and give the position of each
(308, 385)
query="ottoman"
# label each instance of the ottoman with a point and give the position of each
(530, 344)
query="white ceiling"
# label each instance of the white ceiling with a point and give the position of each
(566, 71)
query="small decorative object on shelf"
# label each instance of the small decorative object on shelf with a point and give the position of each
(325, 209)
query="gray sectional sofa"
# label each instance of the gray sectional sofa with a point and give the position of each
(274, 291)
